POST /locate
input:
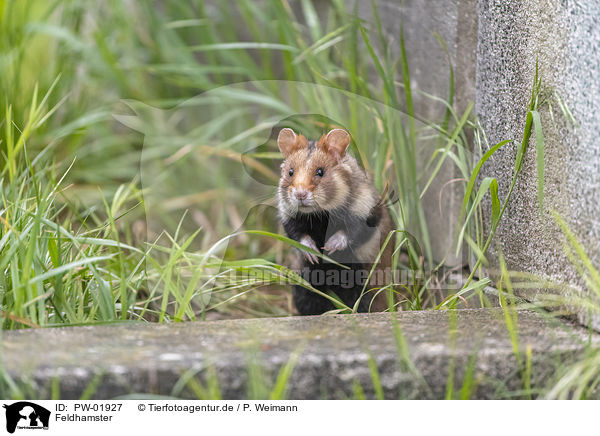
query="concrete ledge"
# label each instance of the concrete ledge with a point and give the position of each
(142, 358)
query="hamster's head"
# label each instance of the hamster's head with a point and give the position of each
(315, 175)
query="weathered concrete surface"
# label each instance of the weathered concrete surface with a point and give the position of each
(143, 358)
(455, 21)
(565, 37)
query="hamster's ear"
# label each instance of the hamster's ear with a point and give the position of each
(288, 142)
(335, 142)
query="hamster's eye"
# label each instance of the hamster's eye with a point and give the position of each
(291, 172)
(320, 172)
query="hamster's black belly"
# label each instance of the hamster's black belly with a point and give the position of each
(346, 283)
(327, 277)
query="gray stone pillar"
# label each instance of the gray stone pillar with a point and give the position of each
(564, 36)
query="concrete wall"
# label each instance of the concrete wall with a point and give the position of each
(493, 46)
(565, 37)
(455, 21)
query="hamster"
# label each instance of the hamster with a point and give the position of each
(327, 202)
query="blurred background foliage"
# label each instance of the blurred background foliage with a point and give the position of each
(92, 92)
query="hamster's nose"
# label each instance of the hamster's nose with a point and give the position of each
(301, 194)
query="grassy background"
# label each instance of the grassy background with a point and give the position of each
(95, 92)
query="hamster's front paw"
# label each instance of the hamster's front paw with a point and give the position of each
(337, 241)
(310, 243)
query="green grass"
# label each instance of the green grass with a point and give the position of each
(97, 242)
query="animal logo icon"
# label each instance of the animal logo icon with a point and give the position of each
(25, 414)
